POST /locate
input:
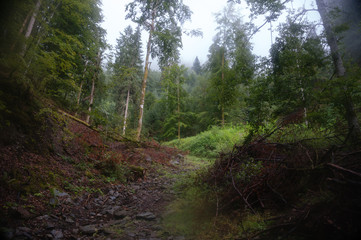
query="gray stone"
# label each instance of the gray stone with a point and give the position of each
(57, 234)
(44, 217)
(53, 201)
(174, 162)
(60, 194)
(69, 220)
(68, 201)
(148, 158)
(89, 229)
(146, 216)
(23, 232)
(121, 214)
(50, 225)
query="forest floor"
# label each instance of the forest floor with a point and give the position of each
(71, 192)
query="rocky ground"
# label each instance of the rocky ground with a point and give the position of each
(131, 211)
(67, 182)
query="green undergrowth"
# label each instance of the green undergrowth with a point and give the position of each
(210, 143)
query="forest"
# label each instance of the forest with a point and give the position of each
(95, 143)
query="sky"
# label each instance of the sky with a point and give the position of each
(202, 18)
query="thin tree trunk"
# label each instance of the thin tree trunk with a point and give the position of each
(91, 98)
(126, 111)
(32, 20)
(222, 96)
(81, 84)
(178, 108)
(144, 83)
(93, 88)
(21, 29)
(350, 114)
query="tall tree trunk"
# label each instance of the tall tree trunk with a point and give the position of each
(350, 114)
(222, 95)
(144, 83)
(93, 87)
(21, 29)
(91, 98)
(126, 111)
(81, 84)
(32, 20)
(178, 107)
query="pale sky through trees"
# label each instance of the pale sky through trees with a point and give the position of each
(202, 18)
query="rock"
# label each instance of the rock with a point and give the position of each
(146, 216)
(57, 234)
(121, 214)
(148, 158)
(23, 232)
(53, 201)
(111, 210)
(174, 162)
(60, 194)
(131, 234)
(68, 201)
(178, 159)
(69, 220)
(89, 229)
(108, 231)
(44, 217)
(111, 192)
(50, 225)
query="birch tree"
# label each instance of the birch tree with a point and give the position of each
(159, 18)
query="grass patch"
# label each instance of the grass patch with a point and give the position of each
(210, 143)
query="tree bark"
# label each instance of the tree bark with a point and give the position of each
(222, 95)
(81, 84)
(32, 20)
(91, 98)
(144, 83)
(178, 107)
(93, 88)
(340, 71)
(21, 30)
(126, 111)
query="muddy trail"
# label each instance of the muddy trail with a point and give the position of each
(84, 187)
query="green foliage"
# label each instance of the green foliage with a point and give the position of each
(210, 143)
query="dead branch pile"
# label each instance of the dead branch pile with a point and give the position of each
(318, 191)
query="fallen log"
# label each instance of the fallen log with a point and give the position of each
(344, 169)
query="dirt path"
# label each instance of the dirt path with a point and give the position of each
(131, 211)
